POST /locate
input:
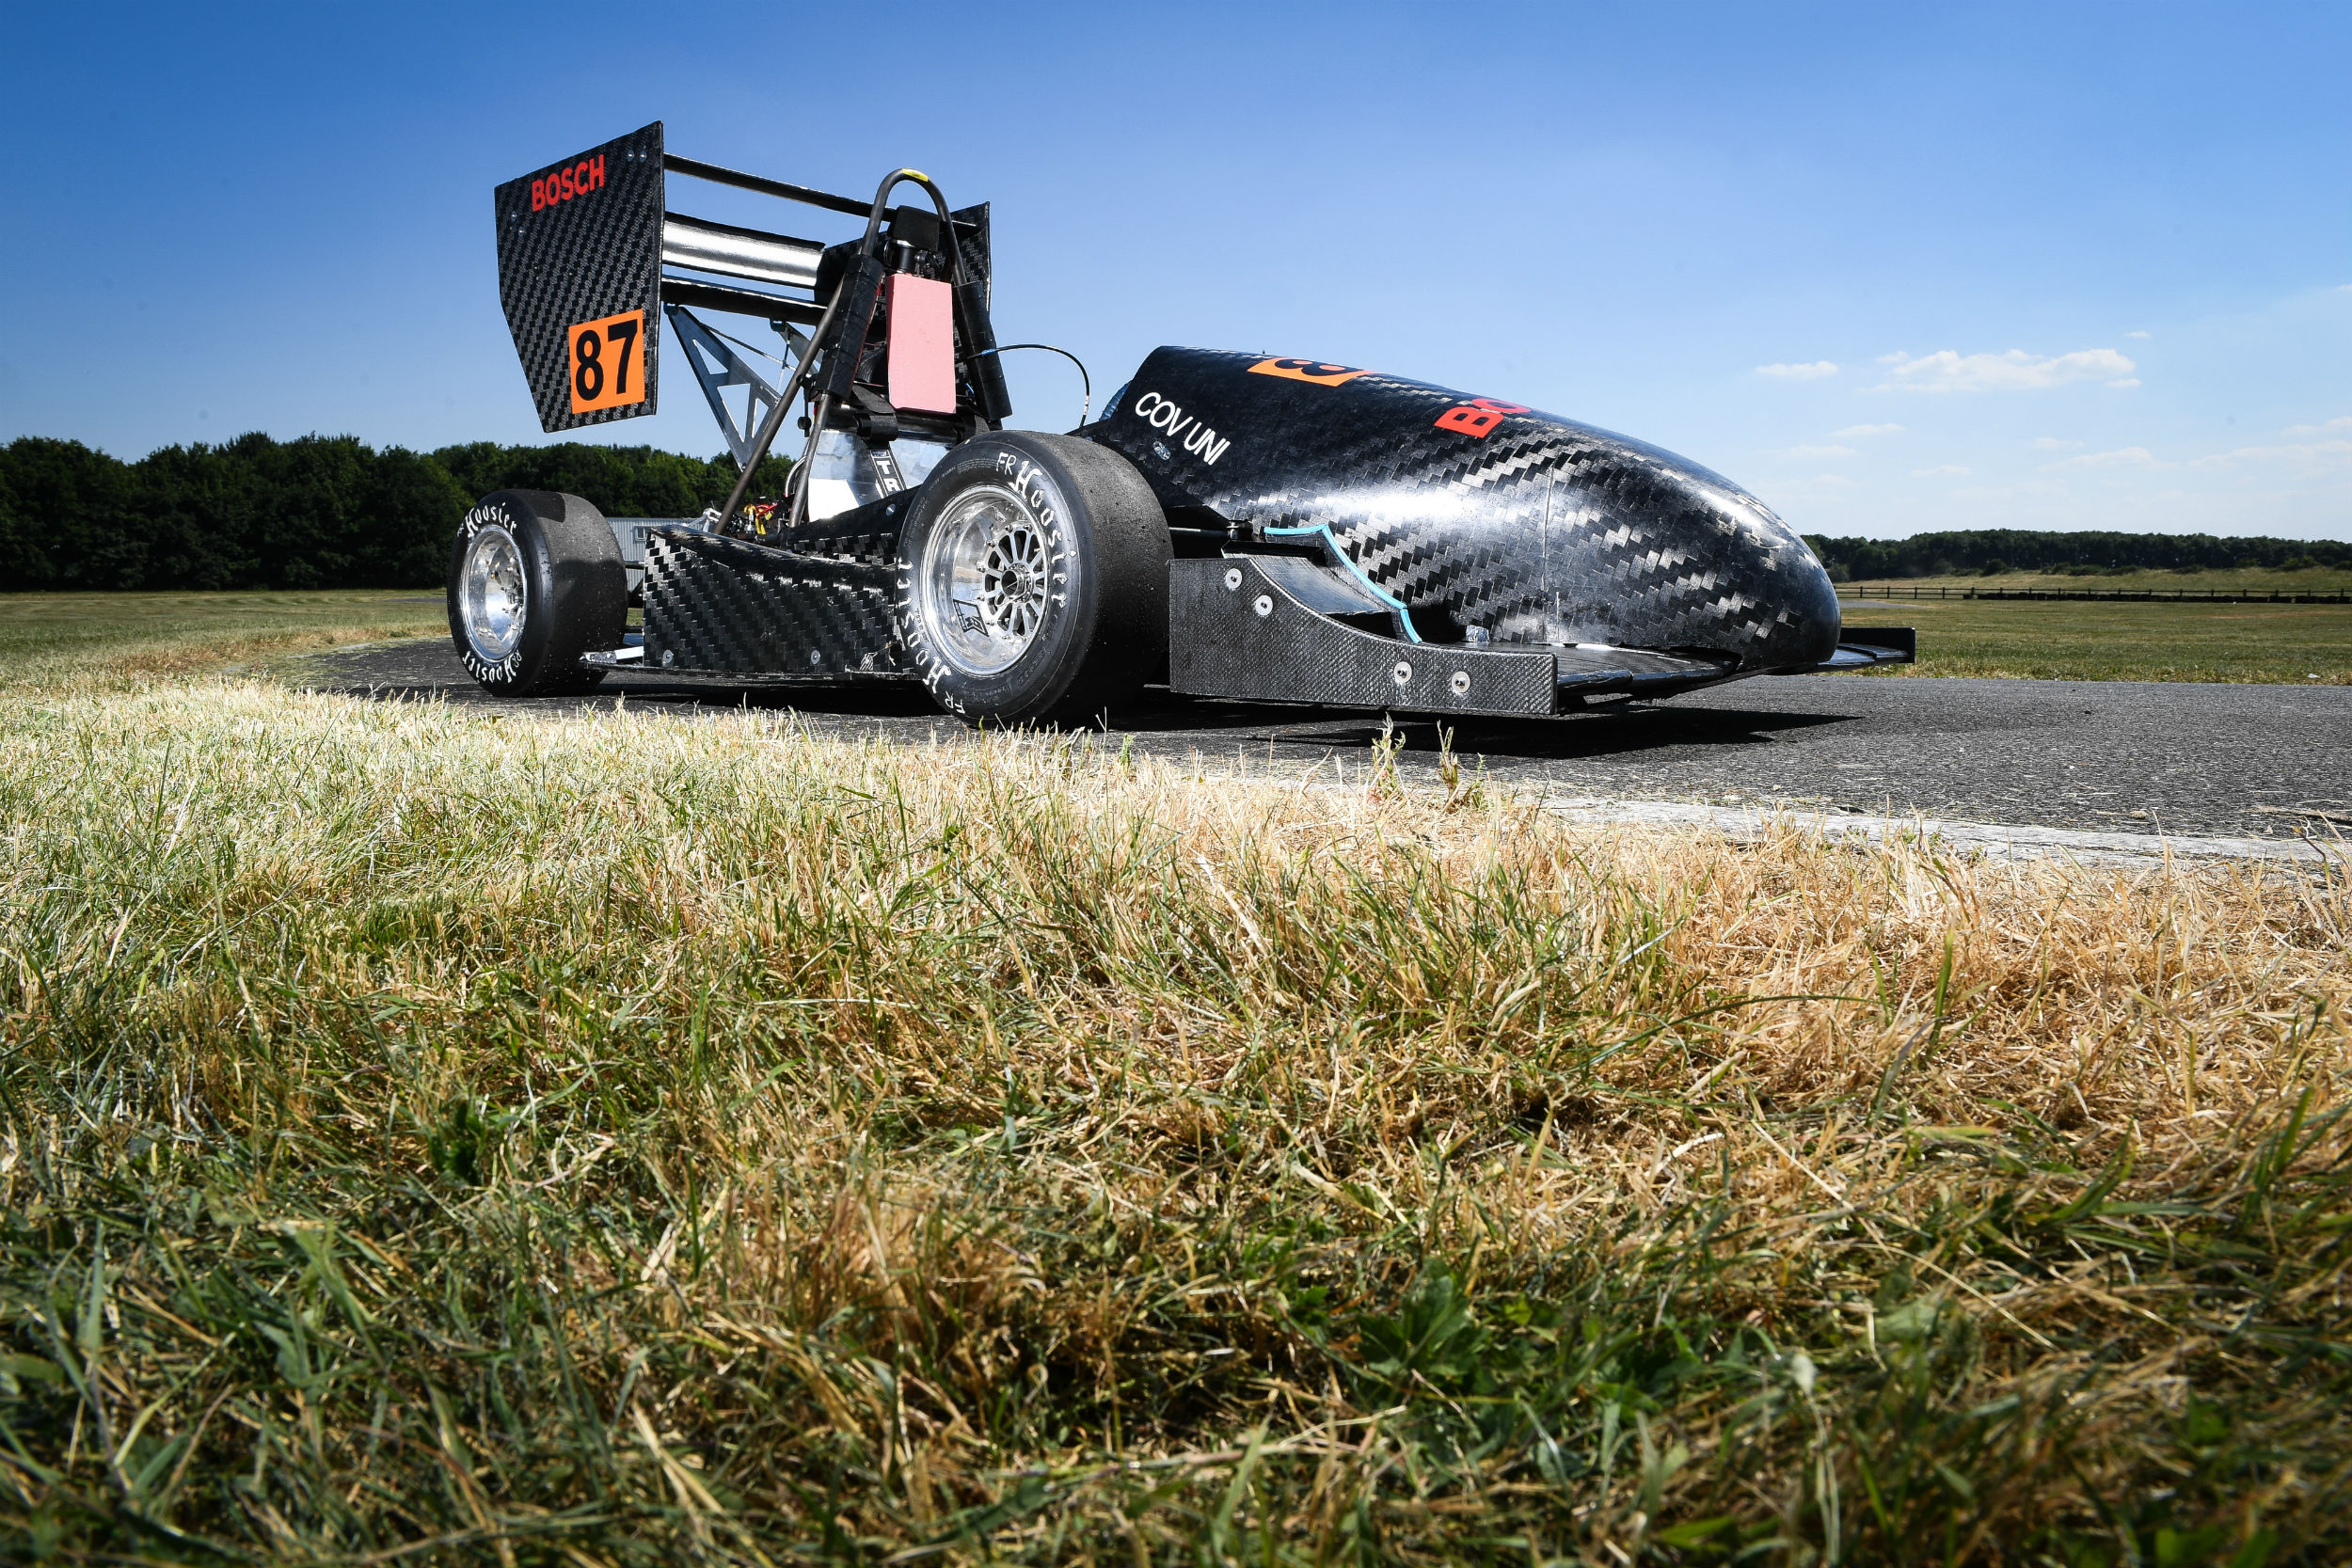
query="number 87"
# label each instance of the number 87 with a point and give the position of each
(588, 358)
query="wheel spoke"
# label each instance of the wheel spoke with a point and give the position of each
(984, 580)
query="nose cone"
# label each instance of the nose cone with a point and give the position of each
(1775, 602)
(1661, 553)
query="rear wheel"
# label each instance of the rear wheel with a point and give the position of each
(536, 580)
(1033, 580)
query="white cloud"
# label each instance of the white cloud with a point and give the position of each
(1947, 470)
(1820, 451)
(2013, 372)
(2311, 454)
(2122, 457)
(2126, 383)
(1855, 431)
(2343, 423)
(1819, 488)
(1814, 371)
(2135, 334)
(2054, 443)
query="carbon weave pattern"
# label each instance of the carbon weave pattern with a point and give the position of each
(721, 606)
(972, 249)
(594, 255)
(817, 539)
(866, 533)
(1542, 531)
(852, 536)
(1220, 646)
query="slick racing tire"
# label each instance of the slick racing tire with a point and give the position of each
(1033, 580)
(535, 580)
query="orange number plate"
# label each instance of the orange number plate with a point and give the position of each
(609, 362)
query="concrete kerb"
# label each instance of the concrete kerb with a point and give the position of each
(1994, 841)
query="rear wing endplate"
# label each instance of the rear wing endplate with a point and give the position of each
(582, 246)
(580, 276)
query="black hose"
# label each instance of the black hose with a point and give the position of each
(1086, 406)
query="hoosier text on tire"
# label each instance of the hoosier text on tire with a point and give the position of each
(1033, 580)
(536, 580)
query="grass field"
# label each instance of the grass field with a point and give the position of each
(2068, 640)
(430, 1136)
(45, 638)
(2251, 581)
(48, 637)
(2078, 639)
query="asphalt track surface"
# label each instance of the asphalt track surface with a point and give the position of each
(2130, 756)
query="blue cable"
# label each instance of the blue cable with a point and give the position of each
(1377, 592)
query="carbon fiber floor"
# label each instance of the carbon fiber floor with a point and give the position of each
(2249, 760)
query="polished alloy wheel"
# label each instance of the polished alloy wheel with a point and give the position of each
(490, 595)
(984, 581)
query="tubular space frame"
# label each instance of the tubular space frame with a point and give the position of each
(755, 256)
(718, 366)
(751, 255)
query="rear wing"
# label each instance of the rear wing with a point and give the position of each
(589, 255)
(580, 276)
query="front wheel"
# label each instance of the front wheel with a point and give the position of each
(535, 580)
(1033, 580)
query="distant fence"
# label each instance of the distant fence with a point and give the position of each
(2141, 595)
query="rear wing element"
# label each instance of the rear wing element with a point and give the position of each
(590, 256)
(579, 276)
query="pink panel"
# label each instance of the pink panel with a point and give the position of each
(922, 345)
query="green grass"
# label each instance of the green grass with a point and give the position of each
(433, 1135)
(2068, 640)
(48, 637)
(2318, 579)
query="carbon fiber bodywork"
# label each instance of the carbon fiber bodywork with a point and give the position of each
(1236, 632)
(1475, 556)
(1473, 514)
(867, 533)
(1342, 535)
(1275, 628)
(716, 606)
(588, 255)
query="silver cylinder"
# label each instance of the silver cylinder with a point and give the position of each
(739, 253)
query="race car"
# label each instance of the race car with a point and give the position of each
(1250, 525)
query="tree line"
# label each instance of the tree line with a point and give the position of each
(1994, 550)
(331, 511)
(318, 512)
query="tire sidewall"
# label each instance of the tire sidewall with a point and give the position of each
(575, 592)
(1042, 676)
(526, 661)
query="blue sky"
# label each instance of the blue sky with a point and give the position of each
(1892, 267)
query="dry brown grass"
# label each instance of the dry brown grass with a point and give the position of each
(594, 1141)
